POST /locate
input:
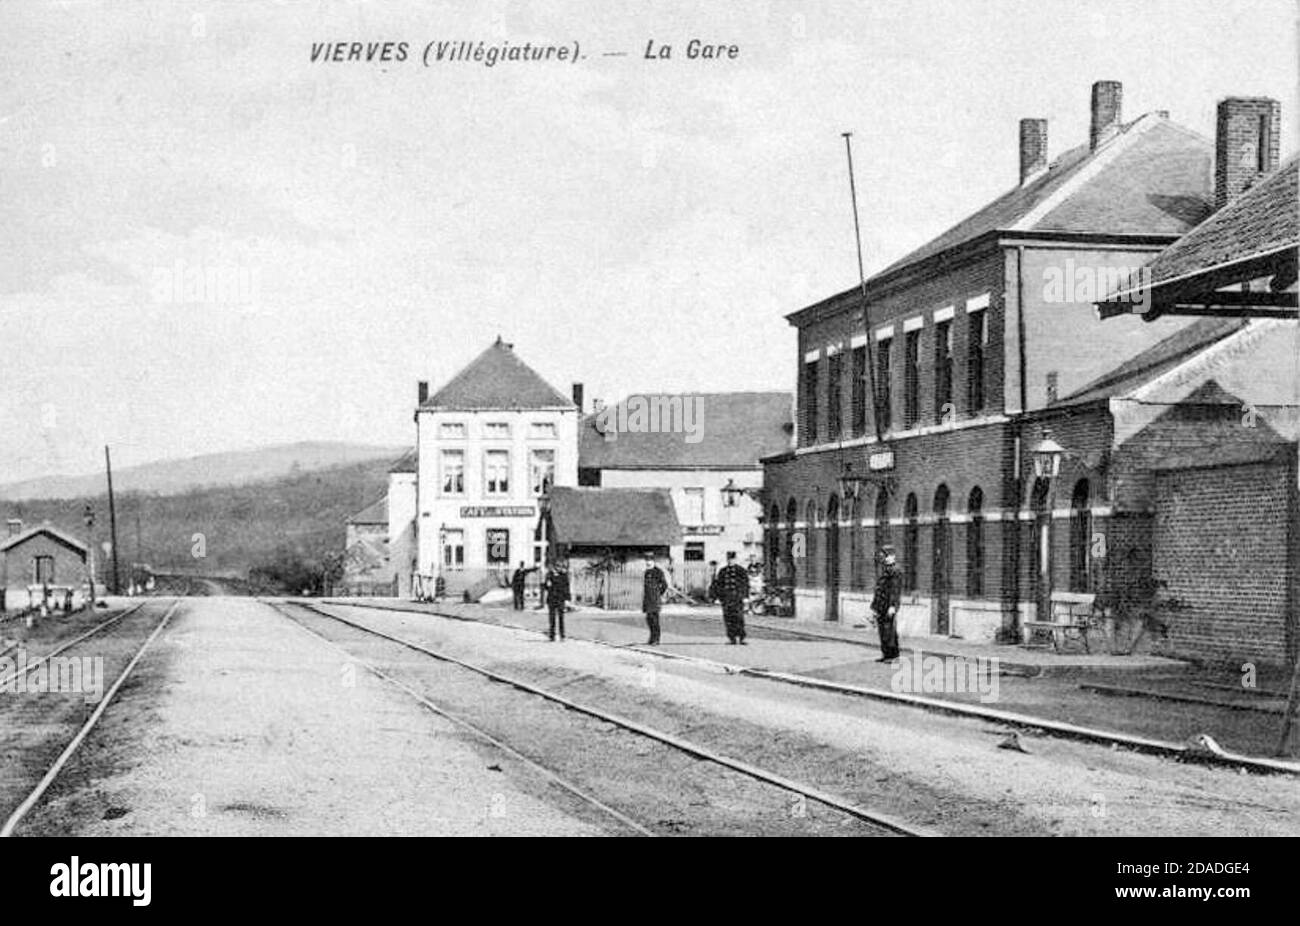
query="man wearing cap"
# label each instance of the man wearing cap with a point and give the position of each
(555, 589)
(731, 587)
(652, 590)
(889, 591)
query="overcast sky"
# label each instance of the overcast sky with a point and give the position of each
(633, 225)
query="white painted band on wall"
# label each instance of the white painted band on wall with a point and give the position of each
(832, 350)
(976, 303)
(858, 340)
(944, 314)
(913, 324)
(884, 332)
(812, 356)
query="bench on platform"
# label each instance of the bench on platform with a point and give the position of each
(1058, 632)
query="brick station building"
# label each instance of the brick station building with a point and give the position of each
(916, 423)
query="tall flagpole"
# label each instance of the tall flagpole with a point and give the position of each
(862, 280)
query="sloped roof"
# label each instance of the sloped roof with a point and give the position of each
(374, 513)
(497, 379)
(1262, 220)
(47, 529)
(408, 462)
(1154, 177)
(1162, 356)
(729, 430)
(1204, 429)
(613, 517)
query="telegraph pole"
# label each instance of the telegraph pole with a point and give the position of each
(112, 520)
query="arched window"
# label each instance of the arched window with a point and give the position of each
(975, 543)
(855, 543)
(941, 502)
(1080, 537)
(811, 577)
(788, 564)
(883, 535)
(911, 542)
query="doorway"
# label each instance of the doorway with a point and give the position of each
(940, 591)
(833, 559)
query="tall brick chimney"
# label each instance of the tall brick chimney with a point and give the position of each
(422, 391)
(1246, 142)
(1107, 112)
(1033, 148)
(577, 396)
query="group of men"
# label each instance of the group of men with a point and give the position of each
(730, 587)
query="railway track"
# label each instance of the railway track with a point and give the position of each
(876, 820)
(33, 798)
(1011, 719)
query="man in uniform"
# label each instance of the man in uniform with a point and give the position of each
(731, 587)
(653, 587)
(889, 591)
(555, 588)
(517, 582)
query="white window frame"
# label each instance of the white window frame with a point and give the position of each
(487, 473)
(444, 471)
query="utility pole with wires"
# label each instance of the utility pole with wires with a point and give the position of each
(112, 521)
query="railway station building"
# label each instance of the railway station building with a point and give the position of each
(972, 411)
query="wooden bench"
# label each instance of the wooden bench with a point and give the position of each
(1059, 632)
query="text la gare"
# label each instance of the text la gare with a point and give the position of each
(695, 50)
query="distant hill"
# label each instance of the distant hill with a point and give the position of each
(169, 477)
(299, 516)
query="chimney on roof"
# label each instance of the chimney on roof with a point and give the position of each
(577, 396)
(422, 391)
(1033, 148)
(15, 527)
(1246, 140)
(1107, 115)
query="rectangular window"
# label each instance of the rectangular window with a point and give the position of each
(912, 379)
(942, 372)
(694, 552)
(884, 390)
(542, 429)
(496, 472)
(453, 549)
(496, 430)
(976, 340)
(859, 391)
(453, 472)
(498, 546)
(451, 430)
(835, 390)
(541, 469)
(810, 402)
(693, 506)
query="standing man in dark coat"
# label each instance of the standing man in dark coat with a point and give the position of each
(889, 592)
(517, 582)
(555, 588)
(653, 587)
(731, 587)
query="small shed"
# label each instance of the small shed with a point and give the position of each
(592, 523)
(42, 556)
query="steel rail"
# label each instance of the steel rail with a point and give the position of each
(686, 746)
(70, 750)
(476, 730)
